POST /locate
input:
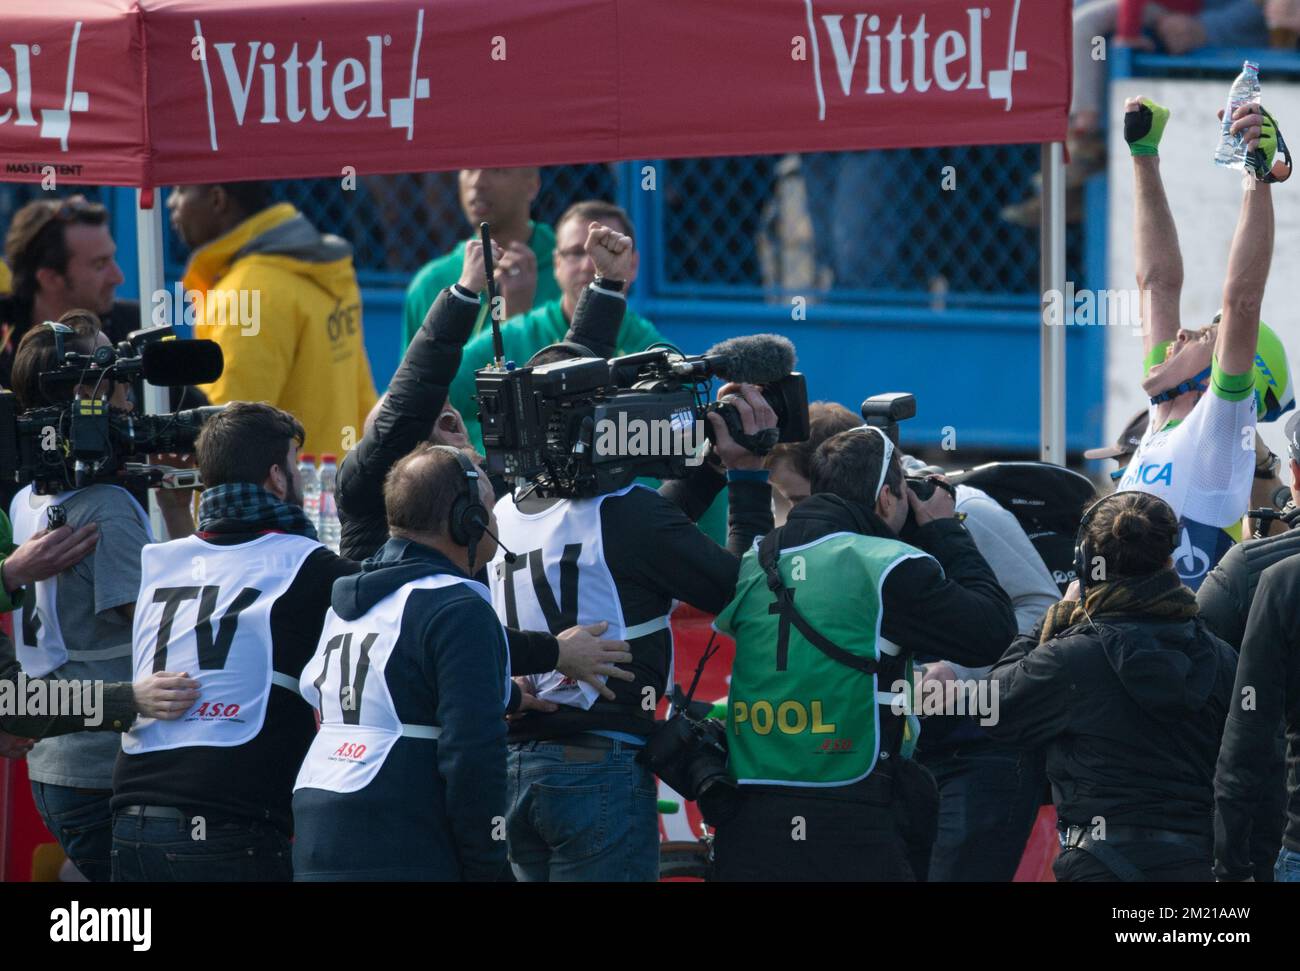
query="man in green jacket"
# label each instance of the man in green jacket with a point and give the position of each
(525, 335)
(502, 198)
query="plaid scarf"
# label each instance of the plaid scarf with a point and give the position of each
(246, 508)
(1155, 596)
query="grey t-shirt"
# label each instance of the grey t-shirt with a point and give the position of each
(87, 598)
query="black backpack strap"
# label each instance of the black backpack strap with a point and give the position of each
(769, 554)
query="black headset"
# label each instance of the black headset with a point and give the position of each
(1081, 552)
(572, 349)
(1080, 545)
(59, 331)
(468, 518)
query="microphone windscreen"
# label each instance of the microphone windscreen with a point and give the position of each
(755, 358)
(174, 362)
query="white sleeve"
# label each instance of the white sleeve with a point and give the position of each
(1219, 443)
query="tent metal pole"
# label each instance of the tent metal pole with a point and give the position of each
(1052, 278)
(149, 251)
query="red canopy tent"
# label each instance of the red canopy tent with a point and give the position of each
(154, 92)
(147, 93)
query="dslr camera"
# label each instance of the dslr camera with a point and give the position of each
(82, 441)
(885, 411)
(689, 752)
(586, 426)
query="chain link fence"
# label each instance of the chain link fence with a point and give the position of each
(912, 225)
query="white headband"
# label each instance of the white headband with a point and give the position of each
(889, 454)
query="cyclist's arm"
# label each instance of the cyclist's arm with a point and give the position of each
(1243, 290)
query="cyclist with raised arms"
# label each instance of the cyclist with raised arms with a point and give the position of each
(1207, 387)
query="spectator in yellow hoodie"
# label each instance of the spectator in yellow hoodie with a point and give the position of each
(281, 298)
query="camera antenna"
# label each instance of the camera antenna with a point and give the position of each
(498, 348)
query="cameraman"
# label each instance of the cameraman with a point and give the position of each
(821, 631)
(582, 804)
(76, 625)
(402, 421)
(45, 555)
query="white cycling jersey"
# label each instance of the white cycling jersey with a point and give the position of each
(1204, 467)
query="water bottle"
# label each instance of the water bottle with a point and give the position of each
(310, 487)
(327, 530)
(1231, 153)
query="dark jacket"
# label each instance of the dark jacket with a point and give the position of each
(1227, 591)
(431, 812)
(415, 399)
(1225, 598)
(1130, 712)
(1266, 693)
(253, 780)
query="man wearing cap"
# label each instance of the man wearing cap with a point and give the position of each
(1208, 387)
(1122, 451)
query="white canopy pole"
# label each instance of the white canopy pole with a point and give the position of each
(1052, 278)
(149, 248)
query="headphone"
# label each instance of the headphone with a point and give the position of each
(1081, 552)
(59, 331)
(572, 349)
(468, 518)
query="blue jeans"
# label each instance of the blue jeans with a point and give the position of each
(988, 799)
(1287, 867)
(580, 814)
(81, 821)
(160, 850)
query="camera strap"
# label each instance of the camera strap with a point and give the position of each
(709, 650)
(769, 555)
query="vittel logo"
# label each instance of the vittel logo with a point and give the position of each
(871, 56)
(269, 84)
(17, 62)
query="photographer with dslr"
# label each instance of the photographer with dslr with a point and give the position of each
(401, 422)
(828, 612)
(77, 625)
